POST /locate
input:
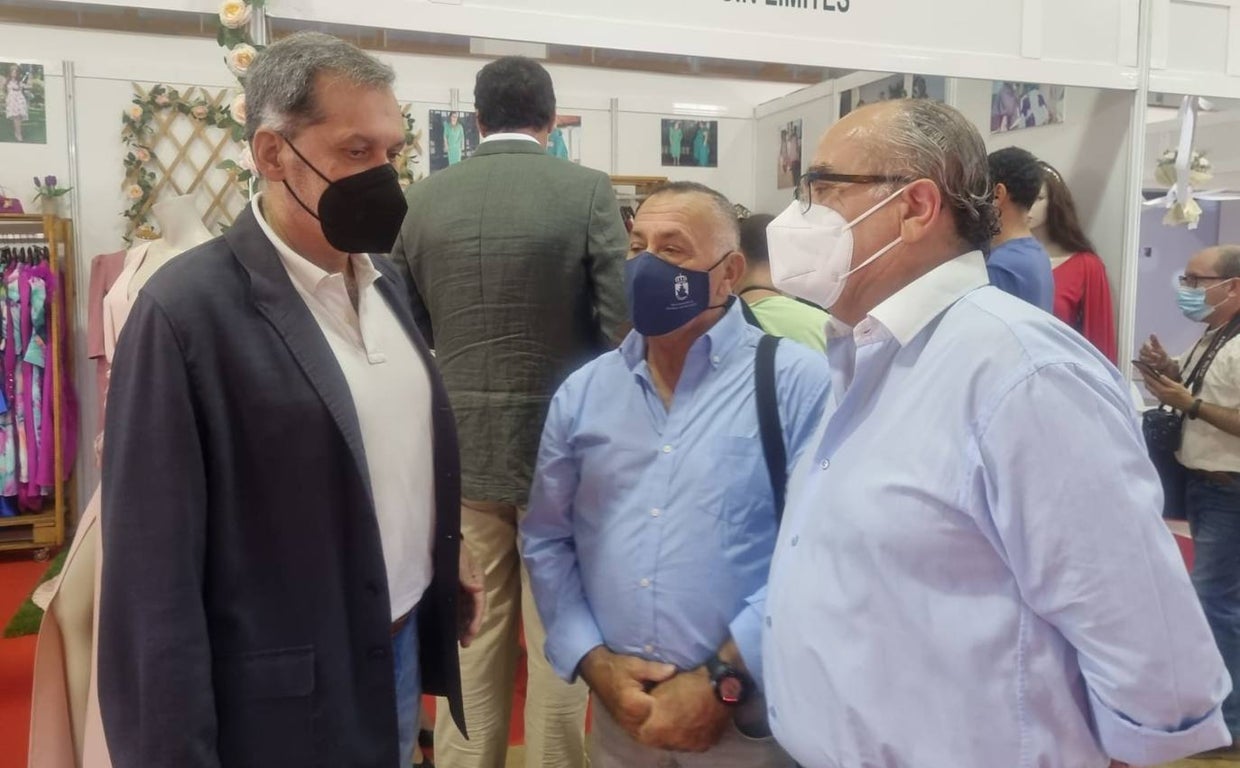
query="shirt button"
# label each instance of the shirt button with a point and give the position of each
(649, 648)
(655, 513)
(667, 449)
(715, 359)
(768, 622)
(772, 711)
(796, 540)
(645, 583)
(826, 464)
(377, 653)
(378, 357)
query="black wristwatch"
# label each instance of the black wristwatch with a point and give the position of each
(1194, 410)
(732, 686)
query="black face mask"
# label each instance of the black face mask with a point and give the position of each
(361, 213)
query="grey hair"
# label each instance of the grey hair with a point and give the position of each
(727, 229)
(279, 87)
(928, 140)
(1228, 261)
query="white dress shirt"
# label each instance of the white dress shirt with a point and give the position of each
(972, 571)
(509, 137)
(392, 396)
(1205, 446)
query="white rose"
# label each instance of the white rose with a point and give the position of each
(134, 192)
(199, 112)
(235, 14)
(240, 58)
(135, 112)
(238, 108)
(246, 160)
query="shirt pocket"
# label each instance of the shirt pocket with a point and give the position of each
(745, 484)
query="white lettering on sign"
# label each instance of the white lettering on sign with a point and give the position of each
(840, 6)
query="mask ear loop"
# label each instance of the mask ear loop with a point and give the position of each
(309, 165)
(885, 248)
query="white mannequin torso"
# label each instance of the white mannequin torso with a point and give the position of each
(182, 229)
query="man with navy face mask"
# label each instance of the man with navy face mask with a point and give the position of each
(972, 570)
(651, 520)
(1204, 385)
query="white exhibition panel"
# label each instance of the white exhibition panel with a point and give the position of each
(1025, 40)
(1195, 47)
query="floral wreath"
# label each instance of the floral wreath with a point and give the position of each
(137, 132)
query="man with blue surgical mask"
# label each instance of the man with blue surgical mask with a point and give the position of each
(652, 517)
(1204, 385)
(972, 570)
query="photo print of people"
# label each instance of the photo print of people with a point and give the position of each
(789, 167)
(454, 137)
(894, 87)
(1014, 106)
(691, 143)
(25, 113)
(564, 141)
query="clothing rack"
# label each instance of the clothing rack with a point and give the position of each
(45, 530)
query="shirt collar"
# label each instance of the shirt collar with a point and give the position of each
(717, 342)
(509, 137)
(914, 306)
(305, 273)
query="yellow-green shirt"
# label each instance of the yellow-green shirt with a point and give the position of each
(782, 316)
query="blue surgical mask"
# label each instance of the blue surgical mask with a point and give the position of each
(663, 296)
(1193, 304)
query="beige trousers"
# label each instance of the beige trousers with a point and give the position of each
(555, 712)
(611, 747)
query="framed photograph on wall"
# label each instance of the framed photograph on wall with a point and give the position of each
(691, 143)
(25, 106)
(789, 163)
(1015, 106)
(454, 137)
(895, 87)
(565, 139)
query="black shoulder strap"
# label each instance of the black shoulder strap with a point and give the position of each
(769, 427)
(750, 317)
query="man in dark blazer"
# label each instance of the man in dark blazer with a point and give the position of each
(516, 262)
(278, 541)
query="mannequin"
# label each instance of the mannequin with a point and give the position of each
(65, 727)
(182, 229)
(181, 225)
(1082, 292)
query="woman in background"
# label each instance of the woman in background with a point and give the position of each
(1082, 293)
(701, 145)
(15, 106)
(454, 138)
(675, 140)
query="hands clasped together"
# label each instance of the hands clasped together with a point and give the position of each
(656, 704)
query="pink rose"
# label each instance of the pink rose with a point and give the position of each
(199, 112)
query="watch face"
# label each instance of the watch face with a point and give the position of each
(730, 689)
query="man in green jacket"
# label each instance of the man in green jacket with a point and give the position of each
(516, 267)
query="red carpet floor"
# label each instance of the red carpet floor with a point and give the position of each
(18, 575)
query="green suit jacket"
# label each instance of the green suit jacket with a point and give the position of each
(515, 266)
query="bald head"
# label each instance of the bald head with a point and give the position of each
(704, 201)
(923, 139)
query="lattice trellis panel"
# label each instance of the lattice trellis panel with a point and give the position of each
(185, 152)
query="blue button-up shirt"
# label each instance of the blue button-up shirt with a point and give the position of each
(972, 570)
(651, 530)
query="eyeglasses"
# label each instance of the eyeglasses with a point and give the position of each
(1194, 281)
(818, 182)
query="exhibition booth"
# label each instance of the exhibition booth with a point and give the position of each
(130, 105)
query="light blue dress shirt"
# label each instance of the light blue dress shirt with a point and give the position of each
(972, 570)
(651, 530)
